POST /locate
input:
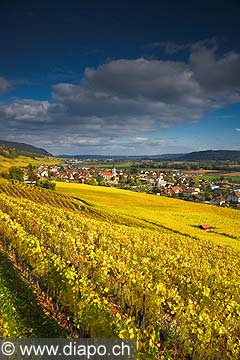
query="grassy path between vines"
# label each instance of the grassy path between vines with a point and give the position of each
(20, 314)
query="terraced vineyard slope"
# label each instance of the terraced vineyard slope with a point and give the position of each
(125, 265)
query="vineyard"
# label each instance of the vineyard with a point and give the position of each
(120, 264)
(21, 161)
(175, 215)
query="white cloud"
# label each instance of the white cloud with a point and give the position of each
(140, 140)
(158, 142)
(237, 129)
(173, 48)
(28, 110)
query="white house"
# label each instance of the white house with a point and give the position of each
(44, 173)
(190, 191)
(160, 182)
(234, 197)
(107, 175)
(218, 200)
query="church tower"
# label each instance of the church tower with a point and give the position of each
(114, 172)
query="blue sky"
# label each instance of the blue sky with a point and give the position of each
(120, 78)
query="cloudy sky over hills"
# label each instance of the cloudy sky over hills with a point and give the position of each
(113, 78)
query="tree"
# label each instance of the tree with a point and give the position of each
(137, 181)
(195, 181)
(47, 184)
(31, 172)
(121, 179)
(100, 180)
(92, 181)
(4, 174)
(208, 196)
(128, 181)
(134, 170)
(16, 173)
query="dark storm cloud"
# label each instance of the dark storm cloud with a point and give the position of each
(153, 80)
(125, 98)
(163, 91)
(216, 75)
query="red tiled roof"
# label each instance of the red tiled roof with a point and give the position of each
(168, 191)
(237, 193)
(177, 188)
(204, 226)
(107, 173)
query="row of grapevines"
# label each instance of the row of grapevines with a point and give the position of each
(44, 196)
(73, 289)
(39, 195)
(173, 286)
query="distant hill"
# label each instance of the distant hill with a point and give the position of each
(10, 149)
(207, 155)
(123, 157)
(166, 156)
(212, 155)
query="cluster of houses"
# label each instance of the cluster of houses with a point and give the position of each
(69, 173)
(195, 194)
(220, 193)
(172, 183)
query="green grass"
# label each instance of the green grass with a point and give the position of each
(20, 314)
(212, 177)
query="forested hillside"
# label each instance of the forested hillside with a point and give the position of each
(12, 150)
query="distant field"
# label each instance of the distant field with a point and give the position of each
(213, 173)
(103, 165)
(6, 163)
(237, 174)
(234, 176)
(181, 216)
(201, 171)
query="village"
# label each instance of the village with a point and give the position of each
(171, 182)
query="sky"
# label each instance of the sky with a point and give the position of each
(120, 77)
